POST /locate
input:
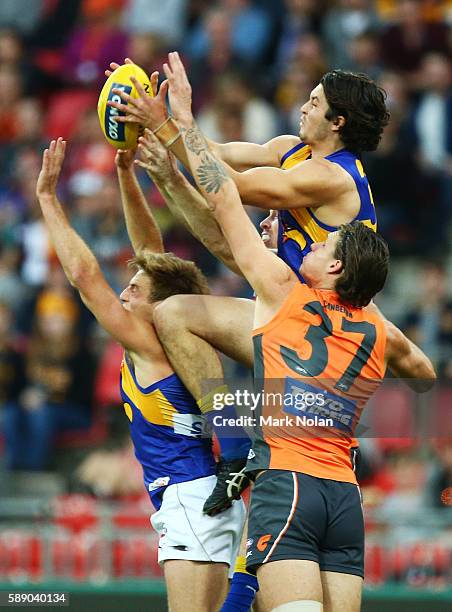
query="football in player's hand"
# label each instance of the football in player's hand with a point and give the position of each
(121, 135)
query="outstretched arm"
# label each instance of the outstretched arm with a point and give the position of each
(79, 263)
(242, 156)
(142, 228)
(152, 113)
(407, 361)
(308, 184)
(263, 269)
(186, 204)
(149, 111)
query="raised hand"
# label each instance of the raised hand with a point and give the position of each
(114, 65)
(145, 110)
(154, 76)
(154, 157)
(52, 160)
(179, 88)
(124, 158)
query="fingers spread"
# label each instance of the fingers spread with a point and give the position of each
(142, 164)
(168, 72)
(154, 82)
(123, 95)
(139, 87)
(163, 89)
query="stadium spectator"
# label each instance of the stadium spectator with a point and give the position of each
(21, 14)
(166, 20)
(292, 90)
(309, 57)
(405, 42)
(249, 31)
(300, 18)
(148, 50)
(399, 202)
(429, 322)
(11, 88)
(11, 371)
(58, 385)
(91, 45)
(12, 290)
(237, 108)
(215, 57)
(342, 24)
(430, 135)
(365, 55)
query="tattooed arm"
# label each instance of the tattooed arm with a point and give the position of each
(185, 203)
(265, 272)
(262, 268)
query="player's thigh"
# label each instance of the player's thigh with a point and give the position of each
(195, 586)
(341, 592)
(284, 581)
(225, 322)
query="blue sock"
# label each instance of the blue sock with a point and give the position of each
(241, 594)
(233, 439)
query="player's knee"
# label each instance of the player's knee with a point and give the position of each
(300, 606)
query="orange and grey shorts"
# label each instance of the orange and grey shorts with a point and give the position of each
(297, 516)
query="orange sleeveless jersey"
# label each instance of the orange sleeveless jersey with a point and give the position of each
(319, 362)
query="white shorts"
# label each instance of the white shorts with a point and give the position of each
(186, 533)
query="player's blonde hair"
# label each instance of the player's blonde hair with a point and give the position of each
(170, 275)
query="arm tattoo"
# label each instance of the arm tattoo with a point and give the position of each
(194, 140)
(211, 172)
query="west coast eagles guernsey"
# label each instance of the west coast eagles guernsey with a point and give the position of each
(299, 228)
(166, 427)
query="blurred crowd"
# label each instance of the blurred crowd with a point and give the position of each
(252, 64)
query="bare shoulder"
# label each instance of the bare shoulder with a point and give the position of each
(133, 332)
(281, 144)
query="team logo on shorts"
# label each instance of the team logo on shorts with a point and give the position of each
(263, 541)
(159, 482)
(249, 542)
(251, 454)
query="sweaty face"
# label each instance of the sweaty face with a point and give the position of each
(135, 296)
(313, 125)
(269, 227)
(320, 262)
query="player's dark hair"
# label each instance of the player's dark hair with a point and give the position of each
(170, 275)
(363, 105)
(365, 259)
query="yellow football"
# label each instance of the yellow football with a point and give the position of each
(121, 135)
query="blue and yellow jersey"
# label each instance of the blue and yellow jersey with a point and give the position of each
(166, 429)
(299, 228)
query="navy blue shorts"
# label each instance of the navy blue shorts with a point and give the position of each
(296, 516)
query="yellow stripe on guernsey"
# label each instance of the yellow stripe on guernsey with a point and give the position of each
(309, 225)
(368, 223)
(154, 406)
(297, 237)
(296, 157)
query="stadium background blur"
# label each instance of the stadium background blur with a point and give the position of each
(73, 511)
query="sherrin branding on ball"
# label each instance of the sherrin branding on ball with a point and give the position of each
(121, 135)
